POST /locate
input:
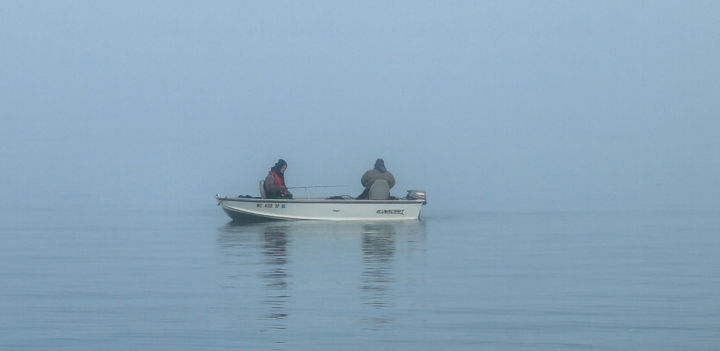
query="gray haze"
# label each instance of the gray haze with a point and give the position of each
(507, 105)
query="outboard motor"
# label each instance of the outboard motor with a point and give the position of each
(416, 195)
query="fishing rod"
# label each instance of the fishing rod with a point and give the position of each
(316, 186)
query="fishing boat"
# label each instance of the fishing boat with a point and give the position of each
(379, 207)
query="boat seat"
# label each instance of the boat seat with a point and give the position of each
(262, 190)
(379, 190)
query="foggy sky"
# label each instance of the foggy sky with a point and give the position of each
(506, 105)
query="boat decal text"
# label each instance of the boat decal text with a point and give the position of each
(400, 212)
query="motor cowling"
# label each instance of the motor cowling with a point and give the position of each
(416, 195)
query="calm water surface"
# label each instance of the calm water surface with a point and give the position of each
(189, 280)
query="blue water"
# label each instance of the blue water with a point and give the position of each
(189, 280)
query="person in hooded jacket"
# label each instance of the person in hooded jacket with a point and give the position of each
(275, 187)
(378, 172)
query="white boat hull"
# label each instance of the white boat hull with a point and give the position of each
(248, 209)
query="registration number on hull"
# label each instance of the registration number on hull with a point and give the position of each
(270, 205)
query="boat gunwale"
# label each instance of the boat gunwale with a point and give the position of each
(320, 201)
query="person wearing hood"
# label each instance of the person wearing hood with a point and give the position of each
(275, 187)
(378, 172)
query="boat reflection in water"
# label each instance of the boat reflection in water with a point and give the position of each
(274, 247)
(315, 269)
(378, 247)
(259, 251)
